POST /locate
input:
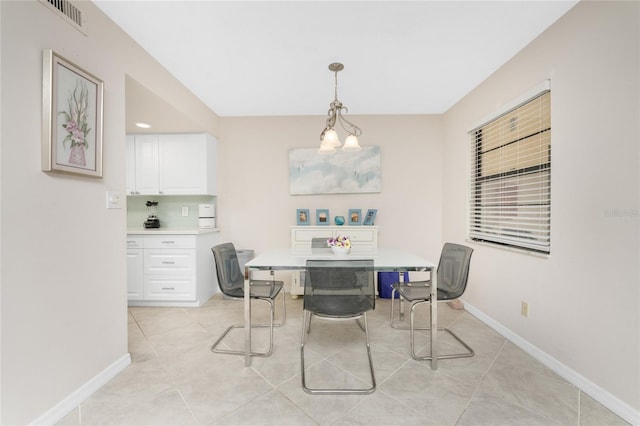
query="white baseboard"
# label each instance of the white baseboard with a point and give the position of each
(64, 407)
(604, 397)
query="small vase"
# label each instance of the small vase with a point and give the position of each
(339, 220)
(76, 156)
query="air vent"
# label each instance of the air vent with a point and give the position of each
(67, 11)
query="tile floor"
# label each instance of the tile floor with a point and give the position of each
(174, 379)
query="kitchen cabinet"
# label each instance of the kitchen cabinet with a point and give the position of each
(171, 164)
(171, 269)
(362, 237)
(135, 271)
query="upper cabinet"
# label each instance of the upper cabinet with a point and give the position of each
(171, 164)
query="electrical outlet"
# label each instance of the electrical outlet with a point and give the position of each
(185, 211)
(524, 309)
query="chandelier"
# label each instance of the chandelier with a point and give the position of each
(329, 137)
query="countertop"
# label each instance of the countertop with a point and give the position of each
(170, 231)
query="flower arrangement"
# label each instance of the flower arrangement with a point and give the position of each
(339, 241)
(77, 123)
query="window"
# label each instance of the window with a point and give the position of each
(510, 185)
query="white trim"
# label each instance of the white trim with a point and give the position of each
(75, 398)
(163, 303)
(596, 392)
(514, 103)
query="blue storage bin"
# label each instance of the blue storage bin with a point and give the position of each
(385, 280)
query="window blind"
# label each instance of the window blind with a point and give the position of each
(510, 184)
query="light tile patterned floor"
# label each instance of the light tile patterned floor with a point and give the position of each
(174, 378)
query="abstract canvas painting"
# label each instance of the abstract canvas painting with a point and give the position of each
(339, 173)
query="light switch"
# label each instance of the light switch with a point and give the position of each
(114, 200)
(185, 211)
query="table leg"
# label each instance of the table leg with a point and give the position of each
(434, 319)
(401, 301)
(247, 318)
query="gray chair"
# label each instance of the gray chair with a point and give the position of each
(338, 290)
(319, 245)
(231, 283)
(453, 274)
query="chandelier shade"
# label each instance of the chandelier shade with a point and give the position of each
(329, 137)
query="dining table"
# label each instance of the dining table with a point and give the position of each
(384, 260)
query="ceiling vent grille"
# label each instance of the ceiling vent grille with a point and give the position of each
(67, 11)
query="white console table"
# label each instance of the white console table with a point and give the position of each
(362, 237)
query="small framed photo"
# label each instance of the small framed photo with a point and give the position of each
(71, 118)
(322, 217)
(355, 216)
(302, 217)
(370, 217)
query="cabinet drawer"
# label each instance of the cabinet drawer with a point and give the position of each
(173, 262)
(135, 241)
(361, 236)
(169, 241)
(169, 288)
(306, 235)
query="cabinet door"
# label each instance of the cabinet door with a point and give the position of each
(135, 278)
(131, 165)
(183, 164)
(146, 163)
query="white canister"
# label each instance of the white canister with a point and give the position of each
(206, 210)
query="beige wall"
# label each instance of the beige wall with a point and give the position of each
(256, 209)
(63, 267)
(584, 298)
(62, 282)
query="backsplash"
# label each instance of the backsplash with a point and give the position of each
(169, 210)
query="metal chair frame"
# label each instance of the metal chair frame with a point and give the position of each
(268, 300)
(306, 329)
(415, 302)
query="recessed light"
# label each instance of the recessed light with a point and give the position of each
(143, 125)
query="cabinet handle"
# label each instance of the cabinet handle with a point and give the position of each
(168, 288)
(166, 262)
(168, 242)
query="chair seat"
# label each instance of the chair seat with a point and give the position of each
(419, 290)
(339, 306)
(259, 289)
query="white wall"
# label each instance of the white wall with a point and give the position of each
(583, 298)
(63, 264)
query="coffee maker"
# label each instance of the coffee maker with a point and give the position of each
(152, 221)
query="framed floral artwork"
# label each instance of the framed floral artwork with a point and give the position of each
(72, 108)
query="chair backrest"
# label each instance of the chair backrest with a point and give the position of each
(339, 287)
(319, 245)
(453, 270)
(230, 277)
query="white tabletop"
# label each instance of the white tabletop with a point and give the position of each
(383, 259)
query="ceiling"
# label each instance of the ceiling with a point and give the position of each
(266, 58)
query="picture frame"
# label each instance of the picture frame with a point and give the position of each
(72, 118)
(370, 217)
(322, 217)
(302, 217)
(355, 216)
